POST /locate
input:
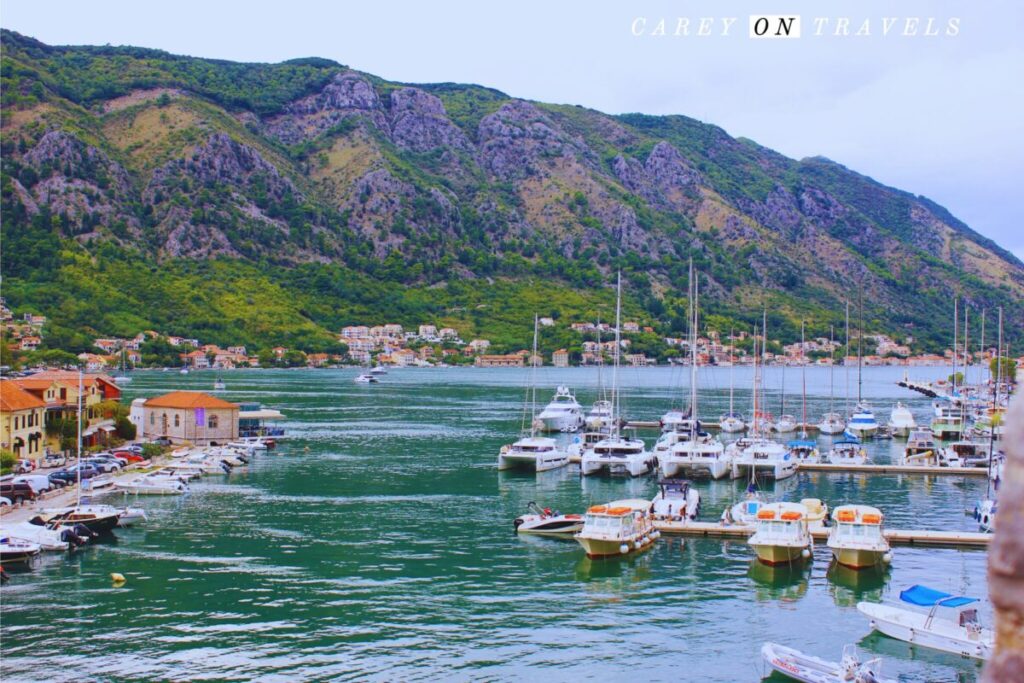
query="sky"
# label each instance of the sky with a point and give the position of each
(934, 115)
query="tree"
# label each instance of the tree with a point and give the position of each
(1006, 368)
(125, 428)
(7, 460)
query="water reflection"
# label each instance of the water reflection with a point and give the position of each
(786, 582)
(850, 586)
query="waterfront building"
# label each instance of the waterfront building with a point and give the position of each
(22, 422)
(191, 417)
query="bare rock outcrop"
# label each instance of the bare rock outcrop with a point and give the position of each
(419, 122)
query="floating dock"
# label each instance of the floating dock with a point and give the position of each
(893, 469)
(920, 537)
(716, 426)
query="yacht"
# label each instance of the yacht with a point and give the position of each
(785, 424)
(153, 486)
(675, 501)
(920, 449)
(673, 420)
(98, 519)
(365, 378)
(856, 537)
(948, 422)
(617, 454)
(563, 414)
(804, 451)
(934, 619)
(581, 443)
(378, 370)
(547, 522)
(781, 535)
(847, 451)
(619, 528)
(600, 416)
(863, 423)
(17, 550)
(964, 454)
(218, 385)
(539, 453)
(679, 430)
(731, 423)
(832, 423)
(901, 420)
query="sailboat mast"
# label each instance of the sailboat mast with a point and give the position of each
(846, 355)
(803, 383)
(995, 404)
(754, 425)
(79, 468)
(693, 350)
(732, 363)
(533, 382)
(832, 369)
(618, 348)
(956, 338)
(981, 347)
(860, 347)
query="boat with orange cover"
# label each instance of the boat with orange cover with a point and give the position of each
(781, 535)
(619, 528)
(856, 538)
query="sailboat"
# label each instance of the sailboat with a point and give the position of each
(731, 422)
(700, 452)
(616, 453)
(862, 423)
(122, 377)
(785, 423)
(539, 453)
(803, 449)
(599, 418)
(986, 508)
(831, 422)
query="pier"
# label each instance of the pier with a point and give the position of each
(893, 469)
(917, 537)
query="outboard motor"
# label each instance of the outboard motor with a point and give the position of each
(38, 521)
(71, 538)
(84, 531)
(517, 523)
(226, 467)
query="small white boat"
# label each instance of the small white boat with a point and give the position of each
(378, 370)
(183, 371)
(921, 448)
(121, 380)
(218, 385)
(832, 423)
(781, 535)
(935, 619)
(764, 456)
(545, 522)
(731, 423)
(132, 516)
(365, 378)
(47, 538)
(745, 512)
(618, 528)
(985, 514)
(847, 451)
(901, 420)
(863, 423)
(600, 416)
(17, 550)
(856, 537)
(563, 413)
(801, 667)
(785, 424)
(675, 501)
(153, 486)
(538, 453)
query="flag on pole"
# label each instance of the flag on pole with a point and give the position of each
(200, 417)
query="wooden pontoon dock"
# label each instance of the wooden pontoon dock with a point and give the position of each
(919, 537)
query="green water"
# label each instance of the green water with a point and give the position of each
(377, 543)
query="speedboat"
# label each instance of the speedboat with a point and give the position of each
(365, 378)
(764, 456)
(618, 528)
(785, 424)
(98, 519)
(832, 423)
(920, 448)
(675, 501)
(856, 537)
(600, 416)
(153, 486)
(781, 535)
(847, 451)
(218, 385)
(731, 423)
(121, 380)
(901, 420)
(948, 422)
(985, 514)
(17, 550)
(378, 370)
(798, 666)
(617, 454)
(804, 451)
(935, 619)
(538, 453)
(863, 423)
(989, 423)
(562, 414)
(183, 371)
(545, 522)
(703, 454)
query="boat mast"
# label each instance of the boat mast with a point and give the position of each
(533, 382)
(995, 403)
(600, 364)
(967, 365)
(79, 467)
(693, 353)
(803, 382)
(732, 362)
(754, 428)
(618, 348)
(981, 348)
(860, 346)
(956, 339)
(832, 369)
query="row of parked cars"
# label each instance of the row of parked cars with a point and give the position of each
(15, 489)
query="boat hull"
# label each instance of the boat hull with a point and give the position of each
(528, 461)
(779, 554)
(695, 467)
(599, 548)
(570, 422)
(858, 558)
(910, 627)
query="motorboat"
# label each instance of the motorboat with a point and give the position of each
(781, 535)
(856, 537)
(98, 519)
(671, 421)
(763, 456)
(948, 422)
(365, 378)
(934, 619)
(964, 454)
(989, 423)
(17, 550)
(798, 666)
(678, 430)
(183, 371)
(985, 514)
(538, 453)
(921, 447)
(121, 380)
(600, 416)
(832, 423)
(863, 423)
(46, 537)
(378, 370)
(847, 451)
(901, 420)
(804, 451)
(731, 423)
(617, 454)
(546, 522)
(784, 424)
(675, 501)
(817, 512)
(619, 528)
(131, 516)
(562, 414)
(218, 385)
(581, 443)
(153, 486)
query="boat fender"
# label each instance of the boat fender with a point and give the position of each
(623, 548)
(117, 578)
(637, 545)
(887, 558)
(805, 553)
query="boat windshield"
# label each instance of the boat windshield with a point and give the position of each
(859, 531)
(776, 527)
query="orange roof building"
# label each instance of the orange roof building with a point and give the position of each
(189, 399)
(190, 417)
(22, 417)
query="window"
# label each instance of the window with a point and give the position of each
(177, 420)
(152, 418)
(211, 422)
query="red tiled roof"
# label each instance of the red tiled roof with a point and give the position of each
(188, 399)
(13, 397)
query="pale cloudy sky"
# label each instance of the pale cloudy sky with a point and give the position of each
(937, 116)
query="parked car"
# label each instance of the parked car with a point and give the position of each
(162, 441)
(56, 481)
(40, 483)
(16, 492)
(103, 463)
(24, 466)
(54, 460)
(70, 474)
(133, 448)
(128, 456)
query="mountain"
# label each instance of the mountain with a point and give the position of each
(274, 203)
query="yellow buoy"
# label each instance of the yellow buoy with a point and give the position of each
(117, 578)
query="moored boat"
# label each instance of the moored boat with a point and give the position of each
(901, 420)
(619, 528)
(17, 550)
(563, 413)
(832, 423)
(948, 422)
(676, 500)
(856, 537)
(847, 451)
(546, 522)
(537, 453)
(863, 423)
(809, 669)
(781, 535)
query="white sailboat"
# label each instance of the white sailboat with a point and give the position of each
(831, 422)
(732, 422)
(539, 453)
(599, 417)
(700, 453)
(123, 377)
(616, 453)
